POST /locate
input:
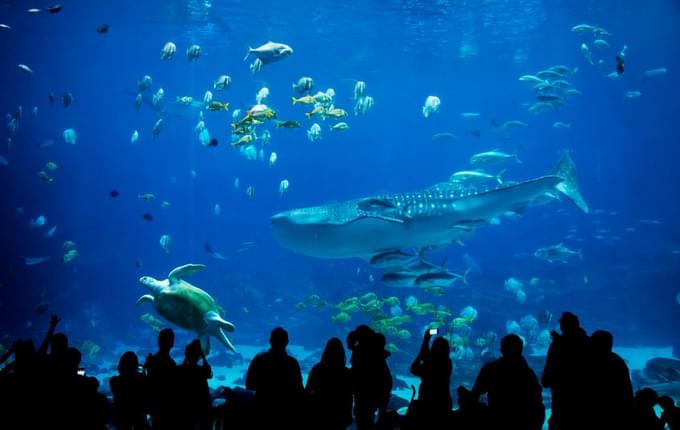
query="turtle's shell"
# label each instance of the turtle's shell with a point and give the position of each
(185, 305)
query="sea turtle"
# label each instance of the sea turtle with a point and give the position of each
(189, 307)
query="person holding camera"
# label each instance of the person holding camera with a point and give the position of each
(130, 389)
(194, 405)
(434, 367)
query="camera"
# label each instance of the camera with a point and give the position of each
(434, 331)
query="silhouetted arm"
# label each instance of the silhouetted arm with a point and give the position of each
(418, 365)
(252, 375)
(627, 386)
(312, 381)
(481, 385)
(297, 375)
(207, 370)
(54, 320)
(549, 371)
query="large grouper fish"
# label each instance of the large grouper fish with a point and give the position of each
(437, 216)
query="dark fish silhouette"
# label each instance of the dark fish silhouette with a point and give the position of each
(41, 309)
(67, 99)
(55, 9)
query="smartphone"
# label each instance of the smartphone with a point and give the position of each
(434, 331)
(140, 369)
(81, 371)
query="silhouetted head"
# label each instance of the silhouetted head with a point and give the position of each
(128, 363)
(666, 402)
(192, 352)
(602, 341)
(334, 353)
(646, 398)
(166, 339)
(72, 359)
(440, 349)
(278, 339)
(511, 346)
(380, 340)
(58, 343)
(569, 323)
(358, 336)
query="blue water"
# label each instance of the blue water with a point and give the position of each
(470, 54)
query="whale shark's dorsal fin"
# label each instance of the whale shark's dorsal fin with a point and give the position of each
(182, 272)
(566, 170)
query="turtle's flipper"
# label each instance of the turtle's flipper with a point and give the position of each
(215, 325)
(182, 272)
(214, 318)
(146, 298)
(219, 334)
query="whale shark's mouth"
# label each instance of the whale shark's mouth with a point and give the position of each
(304, 216)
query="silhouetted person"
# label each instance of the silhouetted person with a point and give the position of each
(512, 389)
(372, 379)
(18, 384)
(22, 378)
(471, 413)
(55, 359)
(193, 391)
(80, 404)
(671, 413)
(566, 375)
(433, 366)
(238, 410)
(329, 389)
(277, 381)
(644, 417)
(160, 368)
(611, 401)
(130, 391)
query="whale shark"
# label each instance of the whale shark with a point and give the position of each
(437, 216)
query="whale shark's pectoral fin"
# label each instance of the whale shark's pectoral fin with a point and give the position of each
(146, 298)
(468, 225)
(383, 217)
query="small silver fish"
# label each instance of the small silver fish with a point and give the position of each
(32, 261)
(270, 52)
(25, 68)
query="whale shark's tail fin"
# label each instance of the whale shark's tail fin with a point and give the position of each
(566, 169)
